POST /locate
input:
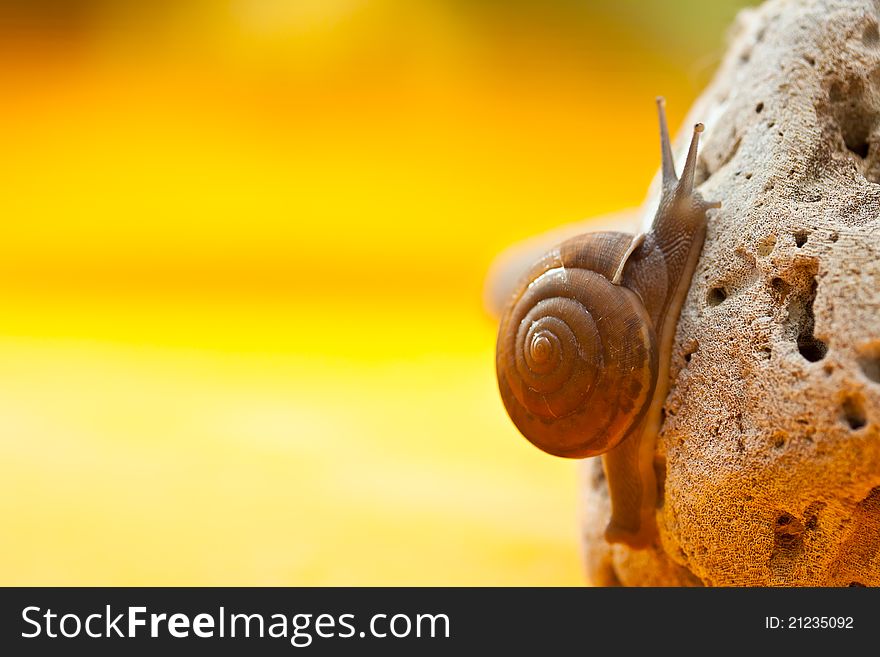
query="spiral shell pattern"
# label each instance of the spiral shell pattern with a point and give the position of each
(576, 361)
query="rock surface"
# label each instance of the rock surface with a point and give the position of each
(769, 456)
(771, 444)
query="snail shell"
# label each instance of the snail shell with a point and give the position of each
(584, 345)
(573, 342)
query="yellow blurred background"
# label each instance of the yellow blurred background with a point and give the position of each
(241, 331)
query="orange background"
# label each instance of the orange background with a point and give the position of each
(241, 332)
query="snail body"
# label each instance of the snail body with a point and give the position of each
(584, 344)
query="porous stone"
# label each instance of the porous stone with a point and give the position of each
(769, 456)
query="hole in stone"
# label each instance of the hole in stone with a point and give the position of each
(800, 238)
(858, 146)
(779, 439)
(800, 312)
(759, 108)
(856, 585)
(690, 348)
(748, 176)
(834, 237)
(788, 531)
(855, 113)
(869, 361)
(871, 37)
(812, 348)
(716, 296)
(854, 412)
(780, 288)
(810, 60)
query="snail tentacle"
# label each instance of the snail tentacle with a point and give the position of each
(637, 241)
(667, 162)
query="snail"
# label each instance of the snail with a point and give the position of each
(584, 344)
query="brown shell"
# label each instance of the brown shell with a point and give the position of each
(576, 356)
